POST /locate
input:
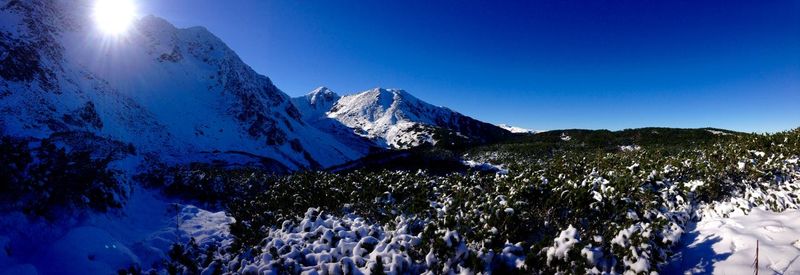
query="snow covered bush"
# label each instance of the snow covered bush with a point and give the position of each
(40, 177)
(583, 207)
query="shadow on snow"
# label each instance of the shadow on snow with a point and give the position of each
(695, 256)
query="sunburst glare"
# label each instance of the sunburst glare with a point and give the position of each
(114, 17)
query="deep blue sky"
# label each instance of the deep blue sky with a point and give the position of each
(549, 64)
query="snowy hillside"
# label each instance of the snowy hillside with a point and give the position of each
(393, 118)
(180, 94)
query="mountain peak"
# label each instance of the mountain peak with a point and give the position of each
(321, 96)
(317, 102)
(387, 91)
(386, 97)
(321, 90)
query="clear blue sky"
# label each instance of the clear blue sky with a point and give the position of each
(548, 64)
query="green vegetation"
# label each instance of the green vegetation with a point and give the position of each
(628, 194)
(572, 201)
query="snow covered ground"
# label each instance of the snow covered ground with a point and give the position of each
(728, 245)
(722, 242)
(141, 233)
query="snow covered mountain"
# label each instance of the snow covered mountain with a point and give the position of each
(393, 118)
(516, 130)
(317, 103)
(313, 108)
(176, 94)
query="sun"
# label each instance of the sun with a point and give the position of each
(114, 17)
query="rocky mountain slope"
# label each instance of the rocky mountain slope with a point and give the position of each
(393, 118)
(178, 95)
